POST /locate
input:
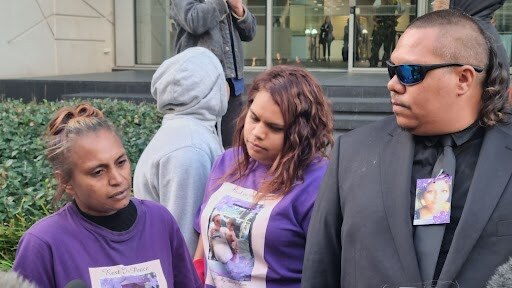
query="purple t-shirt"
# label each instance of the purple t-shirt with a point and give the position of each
(65, 246)
(251, 244)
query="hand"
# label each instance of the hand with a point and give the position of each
(237, 7)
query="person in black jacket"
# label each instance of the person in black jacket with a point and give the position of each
(384, 33)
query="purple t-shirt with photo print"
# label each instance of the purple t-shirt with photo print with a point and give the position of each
(255, 244)
(65, 246)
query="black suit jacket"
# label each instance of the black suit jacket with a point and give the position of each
(361, 234)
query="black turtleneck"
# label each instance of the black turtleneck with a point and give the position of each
(467, 148)
(120, 221)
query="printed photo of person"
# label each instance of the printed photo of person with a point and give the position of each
(433, 203)
(231, 235)
(221, 249)
(230, 228)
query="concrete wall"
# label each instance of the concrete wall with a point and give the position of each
(56, 37)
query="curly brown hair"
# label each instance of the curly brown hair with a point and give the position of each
(67, 124)
(308, 130)
(495, 101)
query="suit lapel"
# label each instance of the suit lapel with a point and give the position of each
(492, 173)
(397, 155)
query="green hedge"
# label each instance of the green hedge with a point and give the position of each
(26, 182)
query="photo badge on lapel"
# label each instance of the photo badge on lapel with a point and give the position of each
(433, 200)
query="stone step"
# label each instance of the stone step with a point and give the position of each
(344, 122)
(341, 104)
(355, 91)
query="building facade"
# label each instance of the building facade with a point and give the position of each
(58, 37)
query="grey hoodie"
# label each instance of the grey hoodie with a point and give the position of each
(190, 89)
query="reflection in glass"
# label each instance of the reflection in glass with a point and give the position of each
(298, 37)
(254, 51)
(502, 20)
(377, 27)
(384, 32)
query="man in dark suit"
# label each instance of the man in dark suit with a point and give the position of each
(361, 233)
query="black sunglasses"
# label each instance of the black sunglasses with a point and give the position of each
(412, 74)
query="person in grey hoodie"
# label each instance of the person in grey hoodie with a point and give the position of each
(190, 89)
(11, 279)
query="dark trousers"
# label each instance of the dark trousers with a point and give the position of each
(235, 105)
(382, 37)
(327, 48)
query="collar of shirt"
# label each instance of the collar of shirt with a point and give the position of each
(473, 131)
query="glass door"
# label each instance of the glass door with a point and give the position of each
(309, 33)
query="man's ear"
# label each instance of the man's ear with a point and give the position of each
(64, 183)
(467, 78)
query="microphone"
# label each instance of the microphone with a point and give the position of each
(77, 283)
(502, 277)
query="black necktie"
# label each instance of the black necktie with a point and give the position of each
(446, 160)
(428, 238)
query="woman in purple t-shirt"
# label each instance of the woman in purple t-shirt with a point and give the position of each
(262, 191)
(103, 237)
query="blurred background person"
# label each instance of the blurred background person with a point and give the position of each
(220, 26)
(326, 38)
(384, 32)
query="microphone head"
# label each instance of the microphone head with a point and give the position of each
(502, 277)
(77, 283)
